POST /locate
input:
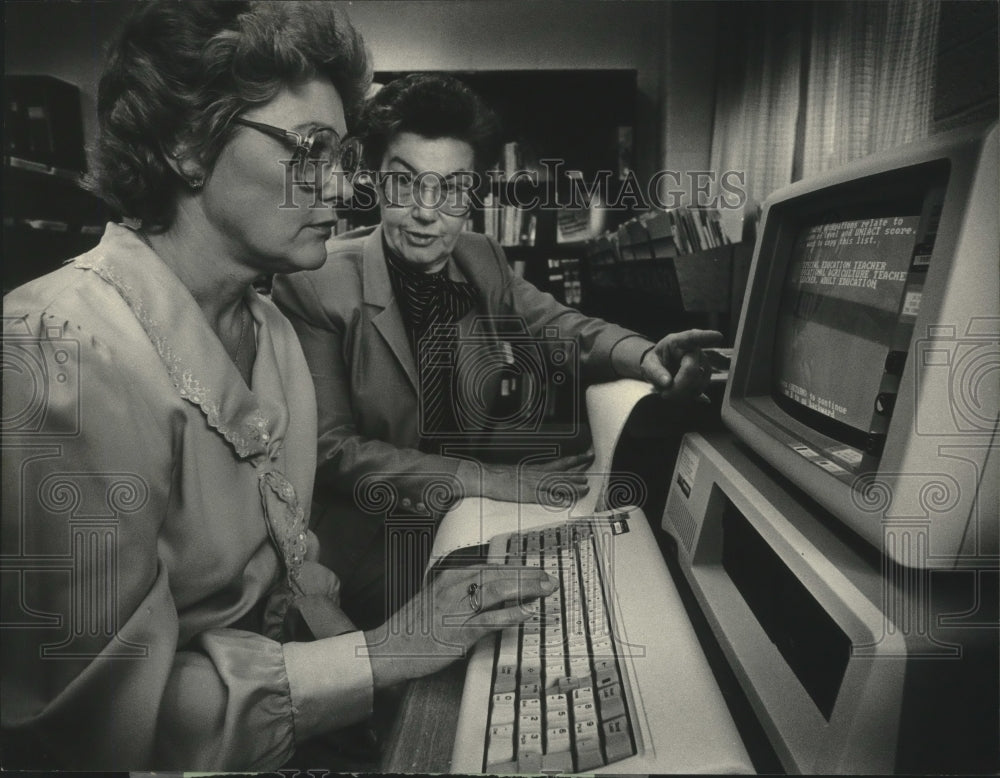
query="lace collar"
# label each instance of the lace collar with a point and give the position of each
(254, 422)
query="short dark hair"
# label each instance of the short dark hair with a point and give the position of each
(182, 71)
(432, 105)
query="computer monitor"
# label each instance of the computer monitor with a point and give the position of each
(866, 368)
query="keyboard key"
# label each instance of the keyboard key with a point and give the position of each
(557, 763)
(583, 694)
(570, 683)
(615, 726)
(586, 732)
(611, 702)
(504, 732)
(508, 644)
(499, 752)
(599, 626)
(556, 740)
(602, 647)
(588, 759)
(617, 740)
(529, 763)
(505, 679)
(557, 718)
(553, 674)
(605, 678)
(501, 715)
(527, 724)
(619, 747)
(585, 712)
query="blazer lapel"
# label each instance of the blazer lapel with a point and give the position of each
(389, 321)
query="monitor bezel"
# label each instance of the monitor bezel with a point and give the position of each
(968, 160)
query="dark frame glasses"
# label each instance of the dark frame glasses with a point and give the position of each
(345, 153)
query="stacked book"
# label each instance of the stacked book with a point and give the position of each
(692, 229)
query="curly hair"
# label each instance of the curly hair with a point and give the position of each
(180, 72)
(432, 105)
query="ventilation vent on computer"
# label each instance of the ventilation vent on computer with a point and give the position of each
(685, 528)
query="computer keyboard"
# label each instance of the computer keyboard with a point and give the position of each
(559, 698)
(639, 698)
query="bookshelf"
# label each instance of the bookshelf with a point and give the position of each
(48, 217)
(647, 277)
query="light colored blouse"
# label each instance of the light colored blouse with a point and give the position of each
(152, 503)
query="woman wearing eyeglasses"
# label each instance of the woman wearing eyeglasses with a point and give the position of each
(407, 331)
(164, 605)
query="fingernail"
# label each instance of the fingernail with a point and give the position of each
(549, 584)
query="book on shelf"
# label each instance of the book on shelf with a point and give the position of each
(624, 148)
(508, 226)
(662, 234)
(689, 232)
(521, 156)
(564, 279)
(694, 229)
(573, 225)
(529, 230)
(511, 158)
(490, 220)
(705, 241)
(511, 225)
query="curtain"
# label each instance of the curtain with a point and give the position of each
(871, 79)
(758, 93)
(804, 87)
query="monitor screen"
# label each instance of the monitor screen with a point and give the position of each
(865, 366)
(847, 287)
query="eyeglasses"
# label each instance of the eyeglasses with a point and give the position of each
(315, 154)
(449, 194)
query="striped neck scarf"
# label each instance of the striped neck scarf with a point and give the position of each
(429, 303)
(426, 299)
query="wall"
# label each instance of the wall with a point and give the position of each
(498, 34)
(687, 85)
(66, 40)
(671, 46)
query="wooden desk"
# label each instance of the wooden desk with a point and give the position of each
(424, 733)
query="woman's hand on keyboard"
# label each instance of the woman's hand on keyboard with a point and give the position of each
(441, 624)
(560, 482)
